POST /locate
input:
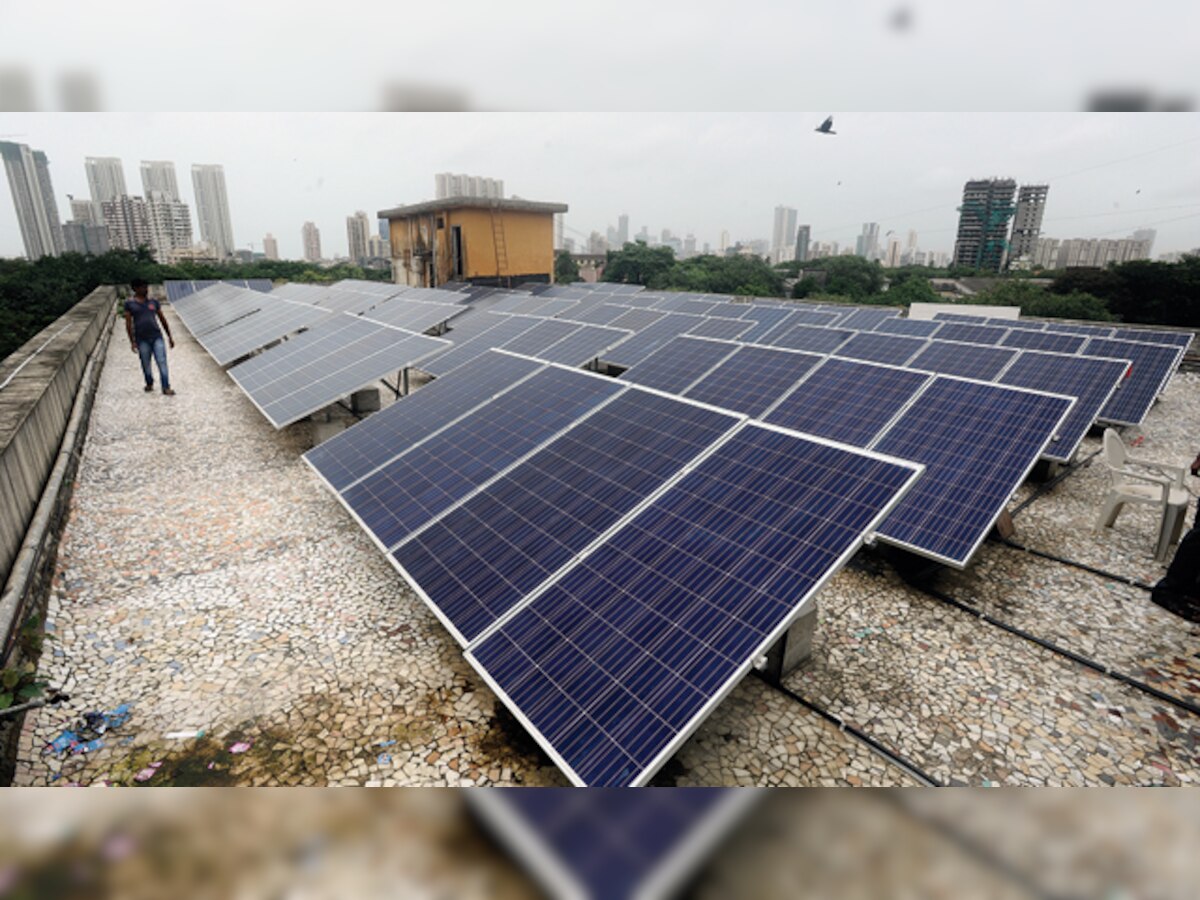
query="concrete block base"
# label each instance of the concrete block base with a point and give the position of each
(794, 648)
(366, 401)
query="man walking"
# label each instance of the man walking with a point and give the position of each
(144, 335)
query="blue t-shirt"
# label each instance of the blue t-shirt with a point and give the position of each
(145, 324)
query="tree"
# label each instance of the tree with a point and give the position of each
(850, 275)
(911, 290)
(566, 270)
(638, 263)
(1035, 300)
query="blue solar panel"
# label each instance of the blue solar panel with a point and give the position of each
(893, 349)
(480, 560)
(1173, 338)
(1153, 365)
(636, 319)
(465, 350)
(970, 334)
(632, 351)
(1019, 324)
(687, 305)
(612, 844)
(908, 327)
(958, 317)
(679, 363)
(806, 337)
(812, 317)
(725, 329)
(752, 379)
(1090, 380)
(978, 442)
(618, 661)
(765, 318)
(847, 401)
(867, 319)
(584, 345)
(1043, 340)
(1090, 331)
(963, 360)
(540, 336)
(355, 452)
(422, 483)
(597, 314)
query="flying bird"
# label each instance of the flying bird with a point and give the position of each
(826, 127)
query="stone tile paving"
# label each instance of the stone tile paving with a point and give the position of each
(208, 581)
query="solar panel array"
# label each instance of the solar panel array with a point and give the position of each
(177, 290)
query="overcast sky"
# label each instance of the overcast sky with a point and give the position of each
(691, 172)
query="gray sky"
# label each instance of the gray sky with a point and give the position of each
(690, 172)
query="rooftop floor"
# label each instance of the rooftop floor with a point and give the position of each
(206, 579)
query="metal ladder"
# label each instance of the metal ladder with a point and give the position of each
(498, 240)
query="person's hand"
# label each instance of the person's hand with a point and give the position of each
(171, 340)
(133, 346)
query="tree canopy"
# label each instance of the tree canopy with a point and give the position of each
(566, 270)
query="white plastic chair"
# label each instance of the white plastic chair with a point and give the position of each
(1142, 481)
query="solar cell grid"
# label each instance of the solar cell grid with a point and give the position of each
(678, 363)
(540, 336)
(867, 319)
(752, 379)
(893, 349)
(496, 335)
(1091, 331)
(410, 490)
(1090, 380)
(359, 450)
(970, 334)
(413, 315)
(272, 322)
(724, 329)
(620, 659)
(908, 327)
(645, 341)
(847, 401)
(1173, 338)
(806, 337)
(978, 443)
(1042, 340)
(584, 345)
(1151, 369)
(597, 314)
(481, 559)
(1018, 324)
(812, 317)
(765, 319)
(959, 317)
(689, 305)
(963, 360)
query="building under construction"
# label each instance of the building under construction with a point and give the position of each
(983, 218)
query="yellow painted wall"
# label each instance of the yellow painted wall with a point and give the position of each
(528, 239)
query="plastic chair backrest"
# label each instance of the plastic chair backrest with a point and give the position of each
(1115, 453)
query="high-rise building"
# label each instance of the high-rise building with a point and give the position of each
(622, 229)
(558, 231)
(212, 208)
(449, 185)
(1147, 236)
(311, 237)
(106, 177)
(610, 235)
(128, 222)
(358, 230)
(270, 247)
(159, 175)
(781, 236)
(912, 240)
(866, 244)
(1027, 222)
(170, 224)
(85, 238)
(644, 235)
(33, 198)
(987, 206)
(689, 246)
(378, 248)
(724, 242)
(891, 258)
(86, 211)
(1100, 252)
(596, 244)
(802, 238)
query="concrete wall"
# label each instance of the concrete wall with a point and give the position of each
(34, 408)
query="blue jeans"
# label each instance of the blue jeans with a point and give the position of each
(159, 349)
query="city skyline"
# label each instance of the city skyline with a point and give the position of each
(698, 174)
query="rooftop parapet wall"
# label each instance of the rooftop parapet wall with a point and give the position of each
(38, 384)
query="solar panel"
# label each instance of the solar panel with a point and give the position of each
(636, 319)
(333, 359)
(963, 360)
(632, 351)
(908, 327)
(765, 320)
(263, 285)
(540, 336)
(423, 482)
(562, 307)
(1043, 340)
(1090, 380)
(359, 450)
(978, 443)
(212, 311)
(847, 401)
(511, 303)
(970, 334)
(752, 379)
(1173, 338)
(615, 663)
(684, 305)
(723, 329)
(1090, 331)
(679, 363)
(638, 301)
(893, 349)
(586, 343)
(612, 844)
(806, 337)
(812, 317)
(960, 317)
(271, 323)
(478, 562)
(1019, 324)
(1152, 367)
(495, 335)
(597, 314)
(413, 315)
(867, 319)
